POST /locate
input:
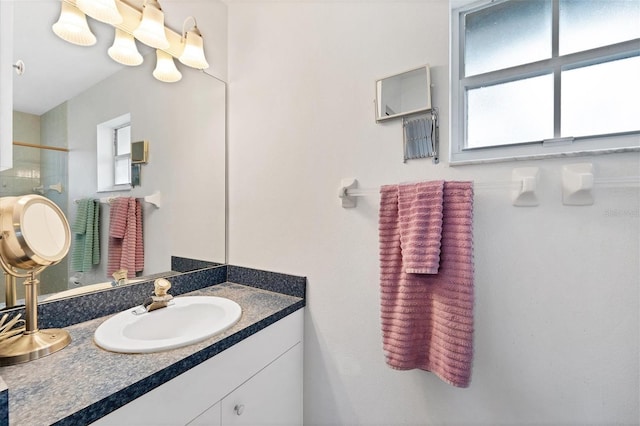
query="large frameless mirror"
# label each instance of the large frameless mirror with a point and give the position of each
(55, 149)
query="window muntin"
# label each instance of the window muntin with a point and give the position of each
(122, 155)
(467, 112)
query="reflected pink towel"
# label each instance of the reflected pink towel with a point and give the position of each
(126, 246)
(139, 246)
(420, 216)
(427, 319)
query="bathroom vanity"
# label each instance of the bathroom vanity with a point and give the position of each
(257, 381)
(249, 374)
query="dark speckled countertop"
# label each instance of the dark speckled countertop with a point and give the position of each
(83, 382)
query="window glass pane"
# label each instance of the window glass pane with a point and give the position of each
(122, 168)
(515, 112)
(123, 140)
(596, 23)
(507, 34)
(601, 99)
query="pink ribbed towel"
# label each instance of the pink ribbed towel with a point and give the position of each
(420, 216)
(126, 245)
(427, 319)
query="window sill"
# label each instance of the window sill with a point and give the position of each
(536, 151)
(115, 188)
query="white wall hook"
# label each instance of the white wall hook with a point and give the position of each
(348, 201)
(526, 179)
(56, 187)
(577, 184)
(155, 199)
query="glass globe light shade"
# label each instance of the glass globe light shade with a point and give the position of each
(193, 53)
(101, 10)
(72, 26)
(165, 68)
(151, 28)
(124, 49)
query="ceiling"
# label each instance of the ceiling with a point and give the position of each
(55, 70)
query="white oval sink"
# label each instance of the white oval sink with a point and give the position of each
(188, 320)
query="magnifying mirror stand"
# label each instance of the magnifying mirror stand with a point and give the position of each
(33, 343)
(10, 297)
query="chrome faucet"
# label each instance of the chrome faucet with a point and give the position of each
(161, 299)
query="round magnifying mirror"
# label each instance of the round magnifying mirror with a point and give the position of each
(35, 232)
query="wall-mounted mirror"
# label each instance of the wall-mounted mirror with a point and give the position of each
(55, 135)
(403, 94)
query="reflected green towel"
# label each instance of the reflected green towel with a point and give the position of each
(95, 238)
(85, 251)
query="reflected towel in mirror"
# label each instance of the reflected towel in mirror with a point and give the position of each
(86, 236)
(126, 245)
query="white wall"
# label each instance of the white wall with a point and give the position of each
(557, 297)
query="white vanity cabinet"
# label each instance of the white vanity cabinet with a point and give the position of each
(272, 397)
(211, 417)
(258, 381)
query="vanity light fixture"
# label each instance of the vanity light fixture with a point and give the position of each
(72, 26)
(102, 10)
(151, 28)
(193, 53)
(165, 68)
(124, 49)
(146, 25)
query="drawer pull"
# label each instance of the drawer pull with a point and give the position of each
(239, 409)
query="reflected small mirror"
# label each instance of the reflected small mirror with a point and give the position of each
(139, 152)
(403, 94)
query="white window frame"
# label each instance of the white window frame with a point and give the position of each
(588, 145)
(118, 157)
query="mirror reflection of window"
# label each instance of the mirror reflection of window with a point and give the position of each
(122, 155)
(114, 154)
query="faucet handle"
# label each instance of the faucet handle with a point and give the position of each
(161, 287)
(120, 276)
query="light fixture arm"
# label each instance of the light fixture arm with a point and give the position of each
(194, 28)
(152, 3)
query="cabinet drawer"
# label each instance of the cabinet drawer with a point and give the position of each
(271, 397)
